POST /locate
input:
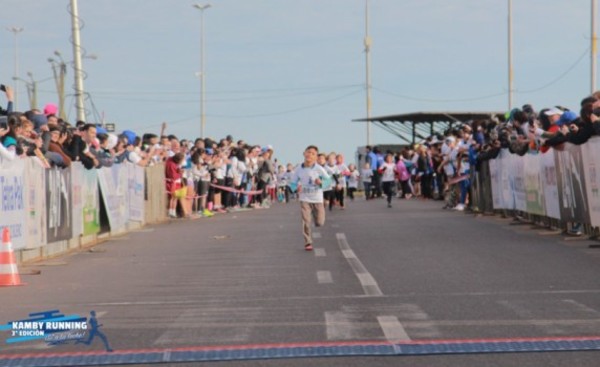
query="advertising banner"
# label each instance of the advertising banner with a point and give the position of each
(12, 201)
(85, 200)
(533, 184)
(135, 186)
(113, 184)
(35, 203)
(591, 163)
(571, 184)
(59, 204)
(550, 184)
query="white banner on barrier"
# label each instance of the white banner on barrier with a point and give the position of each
(591, 163)
(496, 178)
(35, 203)
(533, 184)
(507, 191)
(135, 185)
(113, 183)
(12, 201)
(517, 173)
(571, 185)
(550, 185)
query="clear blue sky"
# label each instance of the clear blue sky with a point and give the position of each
(291, 73)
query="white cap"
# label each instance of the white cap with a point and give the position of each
(450, 139)
(553, 111)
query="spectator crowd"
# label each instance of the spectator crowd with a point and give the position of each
(205, 176)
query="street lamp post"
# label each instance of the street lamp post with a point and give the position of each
(368, 43)
(59, 70)
(31, 85)
(202, 86)
(510, 58)
(594, 51)
(16, 31)
(32, 90)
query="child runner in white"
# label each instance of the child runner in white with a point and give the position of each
(353, 180)
(366, 173)
(388, 177)
(310, 178)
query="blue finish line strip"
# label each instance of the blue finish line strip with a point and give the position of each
(316, 350)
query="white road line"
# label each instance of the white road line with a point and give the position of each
(324, 277)
(316, 235)
(320, 252)
(339, 326)
(349, 254)
(369, 284)
(392, 328)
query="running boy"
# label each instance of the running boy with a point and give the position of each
(310, 178)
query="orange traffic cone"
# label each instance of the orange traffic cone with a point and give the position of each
(9, 274)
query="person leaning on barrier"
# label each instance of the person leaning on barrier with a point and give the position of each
(9, 144)
(57, 138)
(81, 144)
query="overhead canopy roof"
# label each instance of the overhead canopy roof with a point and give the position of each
(424, 124)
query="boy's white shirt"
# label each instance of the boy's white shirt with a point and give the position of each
(305, 178)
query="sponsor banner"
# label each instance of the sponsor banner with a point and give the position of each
(12, 201)
(517, 174)
(591, 163)
(113, 184)
(35, 203)
(550, 184)
(86, 205)
(571, 184)
(496, 183)
(533, 185)
(135, 196)
(507, 180)
(59, 204)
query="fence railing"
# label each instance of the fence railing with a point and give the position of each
(50, 211)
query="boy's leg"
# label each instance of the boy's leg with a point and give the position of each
(319, 213)
(306, 212)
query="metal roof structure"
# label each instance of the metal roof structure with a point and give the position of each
(415, 124)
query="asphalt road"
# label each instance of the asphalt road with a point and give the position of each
(410, 273)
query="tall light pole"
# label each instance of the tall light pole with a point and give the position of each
(510, 60)
(202, 8)
(77, 66)
(31, 85)
(59, 70)
(594, 47)
(16, 31)
(368, 43)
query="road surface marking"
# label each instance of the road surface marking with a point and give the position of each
(324, 277)
(369, 284)
(316, 235)
(320, 252)
(392, 328)
(339, 326)
(349, 254)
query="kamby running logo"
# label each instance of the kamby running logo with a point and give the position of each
(55, 329)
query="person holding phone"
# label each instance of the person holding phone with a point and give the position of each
(10, 97)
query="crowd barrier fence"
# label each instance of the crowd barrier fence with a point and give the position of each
(557, 189)
(53, 211)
